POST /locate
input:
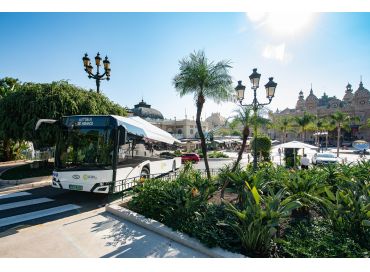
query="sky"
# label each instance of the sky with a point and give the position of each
(327, 50)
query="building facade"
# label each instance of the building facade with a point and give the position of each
(354, 103)
(180, 129)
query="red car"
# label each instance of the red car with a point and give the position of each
(192, 157)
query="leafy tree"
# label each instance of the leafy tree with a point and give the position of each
(263, 146)
(341, 119)
(204, 79)
(303, 121)
(20, 110)
(243, 117)
(283, 124)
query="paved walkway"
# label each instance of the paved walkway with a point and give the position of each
(91, 234)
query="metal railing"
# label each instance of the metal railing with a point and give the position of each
(120, 186)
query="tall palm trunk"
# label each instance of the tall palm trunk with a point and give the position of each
(285, 136)
(200, 102)
(244, 143)
(338, 140)
(240, 156)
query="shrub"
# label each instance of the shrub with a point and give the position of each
(217, 154)
(263, 146)
(257, 219)
(173, 202)
(317, 239)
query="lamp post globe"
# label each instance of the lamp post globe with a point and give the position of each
(97, 76)
(270, 87)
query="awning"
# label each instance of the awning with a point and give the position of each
(295, 145)
(138, 126)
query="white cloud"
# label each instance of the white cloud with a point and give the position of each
(276, 52)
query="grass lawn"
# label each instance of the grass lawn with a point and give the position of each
(25, 171)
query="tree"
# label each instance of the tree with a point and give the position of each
(341, 119)
(283, 124)
(204, 79)
(263, 146)
(303, 121)
(8, 85)
(20, 110)
(244, 118)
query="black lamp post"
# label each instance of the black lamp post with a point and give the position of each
(89, 69)
(270, 93)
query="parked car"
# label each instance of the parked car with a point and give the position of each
(325, 158)
(192, 157)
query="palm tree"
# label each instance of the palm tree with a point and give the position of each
(303, 121)
(283, 124)
(341, 119)
(204, 79)
(243, 117)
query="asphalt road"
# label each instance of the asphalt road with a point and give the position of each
(45, 204)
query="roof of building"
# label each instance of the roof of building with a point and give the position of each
(145, 111)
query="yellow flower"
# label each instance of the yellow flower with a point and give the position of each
(194, 192)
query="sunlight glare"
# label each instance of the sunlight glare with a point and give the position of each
(282, 23)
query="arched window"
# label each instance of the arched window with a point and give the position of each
(179, 131)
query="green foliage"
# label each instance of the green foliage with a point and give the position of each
(21, 109)
(263, 146)
(304, 121)
(258, 219)
(205, 80)
(173, 202)
(317, 239)
(217, 154)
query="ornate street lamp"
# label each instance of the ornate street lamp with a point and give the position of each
(89, 69)
(270, 93)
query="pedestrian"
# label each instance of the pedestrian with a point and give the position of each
(305, 162)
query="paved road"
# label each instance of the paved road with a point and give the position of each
(4, 167)
(48, 222)
(44, 204)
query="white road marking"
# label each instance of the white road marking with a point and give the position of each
(9, 195)
(24, 203)
(38, 214)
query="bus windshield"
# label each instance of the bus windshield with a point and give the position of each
(85, 148)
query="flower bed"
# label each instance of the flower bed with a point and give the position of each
(275, 212)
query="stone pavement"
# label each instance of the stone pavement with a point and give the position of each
(90, 234)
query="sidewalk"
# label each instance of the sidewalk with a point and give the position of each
(92, 234)
(20, 184)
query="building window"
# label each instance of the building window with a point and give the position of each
(179, 131)
(191, 131)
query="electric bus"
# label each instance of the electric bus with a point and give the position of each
(95, 153)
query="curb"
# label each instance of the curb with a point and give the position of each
(165, 231)
(14, 186)
(11, 162)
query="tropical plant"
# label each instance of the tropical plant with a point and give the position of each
(303, 121)
(349, 211)
(244, 118)
(263, 146)
(173, 202)
(283, 124)
(341, 119)
(318, 239)
(258, 220)
(204, 79)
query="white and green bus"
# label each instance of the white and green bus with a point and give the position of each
(104, 154)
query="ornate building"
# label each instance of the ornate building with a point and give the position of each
(180, 129)
(355, 104)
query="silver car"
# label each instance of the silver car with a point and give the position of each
(325, 158)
